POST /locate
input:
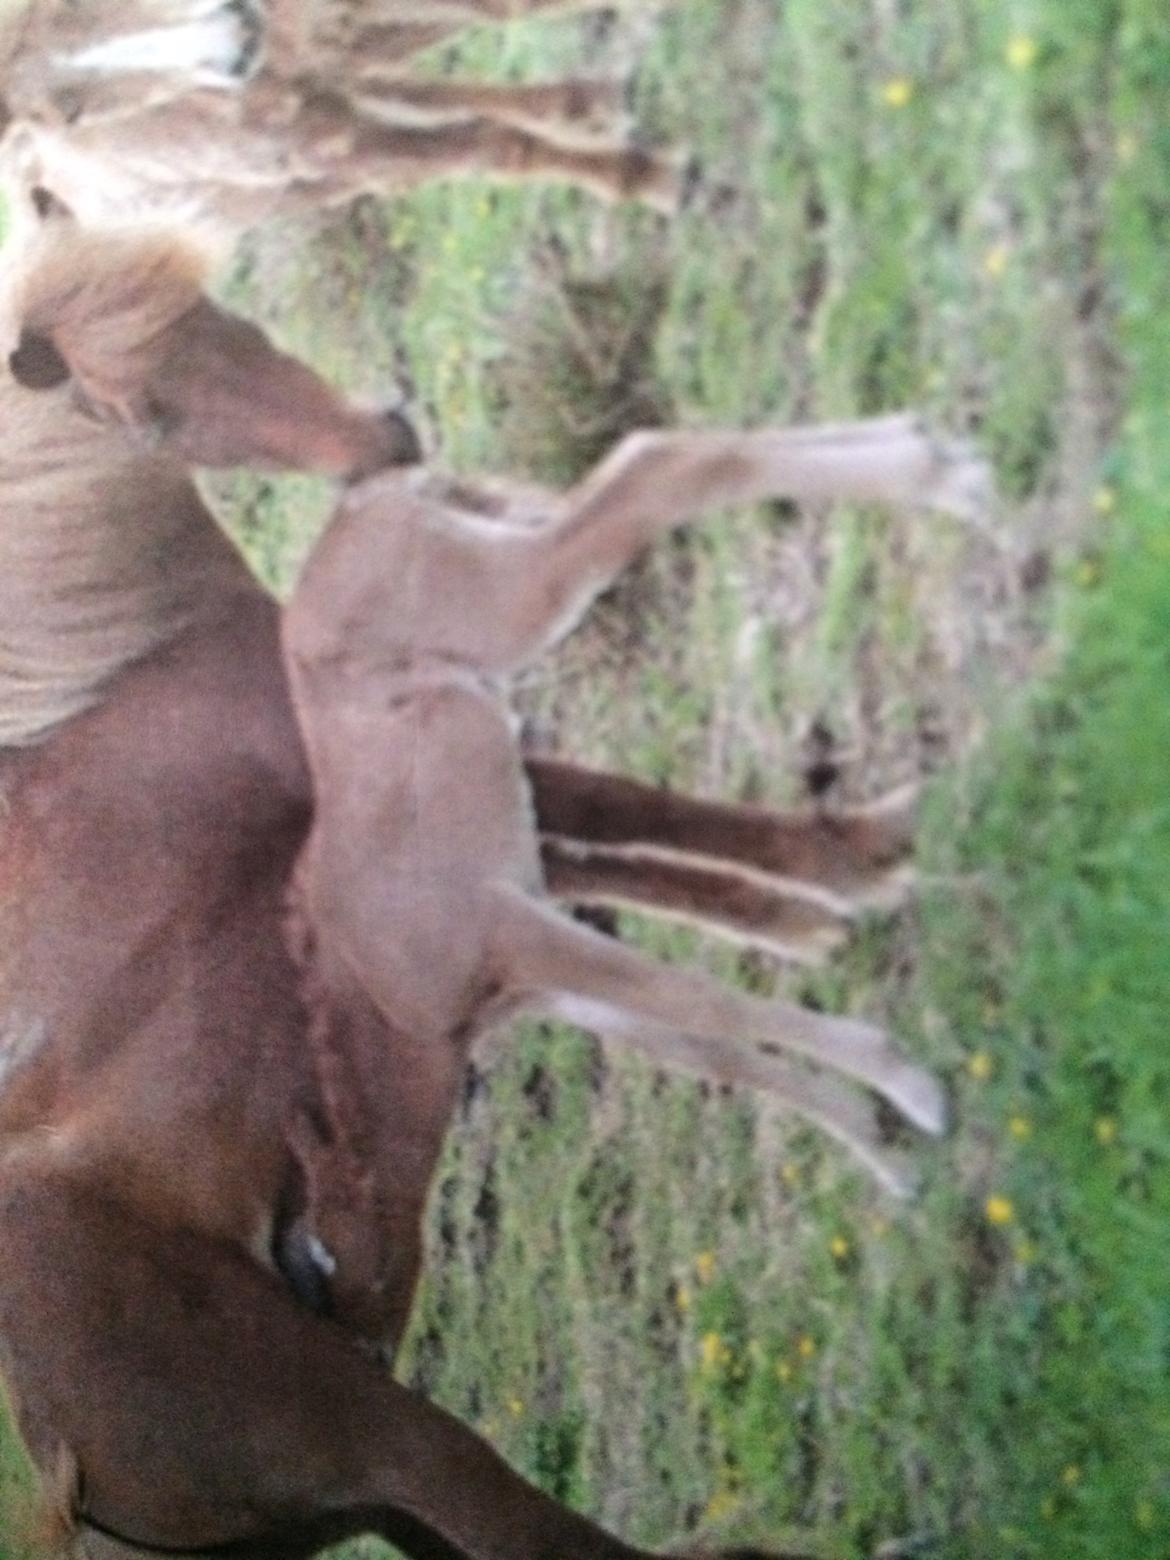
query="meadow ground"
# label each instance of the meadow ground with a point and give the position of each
(678, 1310)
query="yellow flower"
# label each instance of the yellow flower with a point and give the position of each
(1071, 1475)
(682, 1298)
(980, 1066)
(996, 259)
(720, 1504)
(839, 1247)
(712, 1347)
(1105, 1130)
(1021, 52)
(1020, 1128)
(897, 92)
(806, 1347)
(705, 1266)
(1104, 500)
(790, 1174)
(783, 1370)
(516, 1407)
(1000, 1210)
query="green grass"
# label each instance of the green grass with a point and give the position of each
(677, 1310)
(806, 1363)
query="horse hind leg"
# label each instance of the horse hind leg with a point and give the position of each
(544, 579)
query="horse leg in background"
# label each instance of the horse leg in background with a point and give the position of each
(790, 920)
(857, 854)
(368, 154)
(569, 104)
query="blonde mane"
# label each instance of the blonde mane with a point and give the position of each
(106, 549)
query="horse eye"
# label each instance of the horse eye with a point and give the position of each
(36, 364)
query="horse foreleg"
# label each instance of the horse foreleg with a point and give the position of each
(544, 956)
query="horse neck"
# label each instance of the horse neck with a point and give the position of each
(106, 553)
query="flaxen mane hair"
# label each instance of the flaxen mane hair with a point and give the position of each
(106, 551)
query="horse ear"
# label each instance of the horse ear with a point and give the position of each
(36, 364)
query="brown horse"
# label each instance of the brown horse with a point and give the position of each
(225, 1073)
(227, 112)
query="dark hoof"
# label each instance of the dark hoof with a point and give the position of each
(250, 19)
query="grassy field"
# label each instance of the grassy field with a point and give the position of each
(678, 1310)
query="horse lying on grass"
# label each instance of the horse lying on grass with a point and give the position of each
(247, 936)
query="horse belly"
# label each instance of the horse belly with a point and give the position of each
(423, 812)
